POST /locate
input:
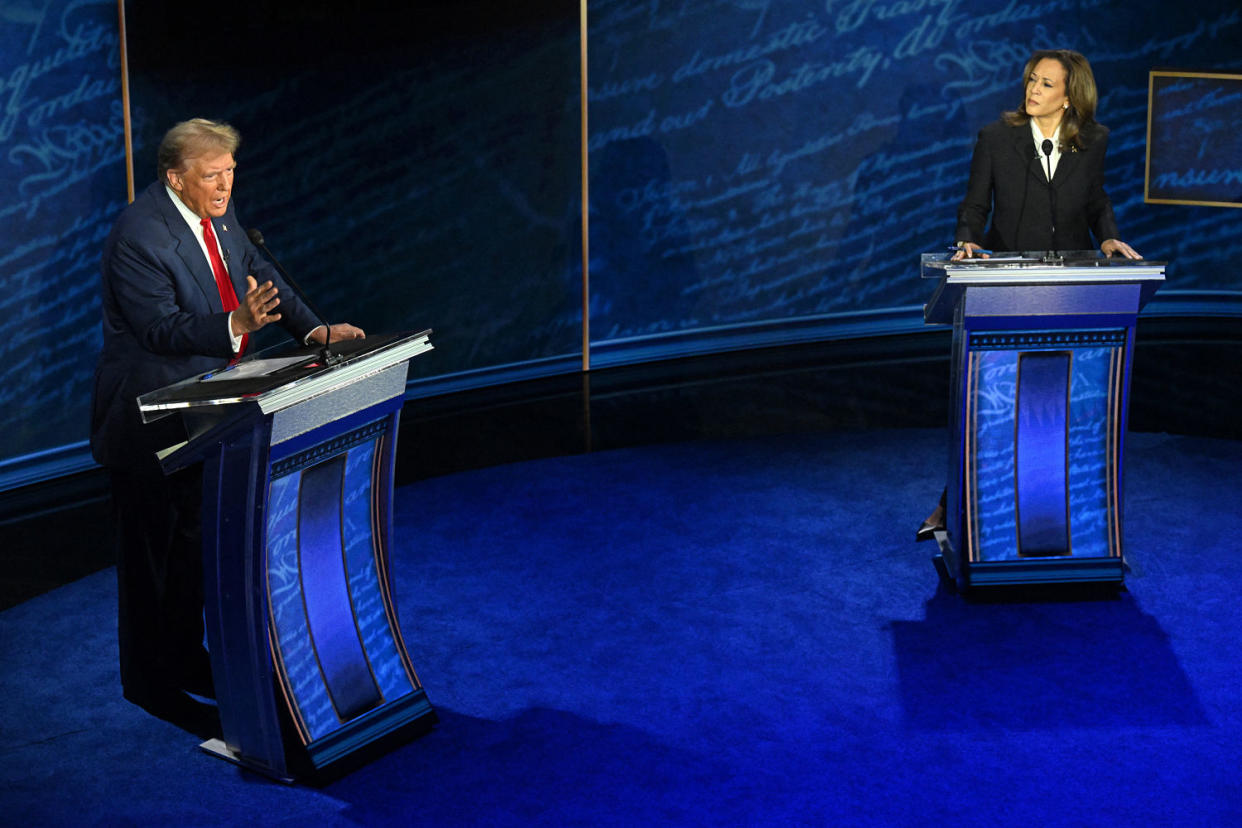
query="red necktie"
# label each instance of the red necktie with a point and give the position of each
(228, 296)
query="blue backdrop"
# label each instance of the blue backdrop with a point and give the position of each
(63, 177)
(759, 170)
(756, 160)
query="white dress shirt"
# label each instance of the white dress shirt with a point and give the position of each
(1039, 149)
(196, 227)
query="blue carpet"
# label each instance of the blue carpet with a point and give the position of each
(714, 633)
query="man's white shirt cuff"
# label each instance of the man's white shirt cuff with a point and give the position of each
(236, 340)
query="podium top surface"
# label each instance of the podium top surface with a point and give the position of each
(1071, 266)
(274, 381)
(1045, 281)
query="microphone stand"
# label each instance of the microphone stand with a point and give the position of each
(1052, 255)
(325, 351)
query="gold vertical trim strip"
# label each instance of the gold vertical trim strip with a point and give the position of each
(1069, 455)
(129, 129)
(968, 485)
(1151, 96)
(1116, 380)
(273, 637)
(586, 222)
(282, 674)
(1108, 454)
(381, 480)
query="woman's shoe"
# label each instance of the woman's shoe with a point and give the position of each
(934, 523)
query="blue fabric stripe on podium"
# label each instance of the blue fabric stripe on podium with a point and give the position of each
(995, 503)
(324, 585)
(1041, 454)
(296, 655)
(1091, 407)
(361, 548)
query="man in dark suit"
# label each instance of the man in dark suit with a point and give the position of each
(182, 290)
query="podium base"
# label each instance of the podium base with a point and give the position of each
(375, 734)
(1032, 572)
(217, 748)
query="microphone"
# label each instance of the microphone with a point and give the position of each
(1046, 146)
(325, 353)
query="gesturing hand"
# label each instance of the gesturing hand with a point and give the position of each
(256, 307)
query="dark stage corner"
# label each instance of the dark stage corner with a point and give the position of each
(58, 531)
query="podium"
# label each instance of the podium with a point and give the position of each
(1040, 381)
(311, 673)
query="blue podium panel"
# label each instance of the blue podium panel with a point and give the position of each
(1041, 365)
(1041, 456)
(310, 671)
(336, 644)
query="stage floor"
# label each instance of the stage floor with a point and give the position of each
(725, 631)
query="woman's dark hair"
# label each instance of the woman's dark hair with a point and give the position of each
(1080, 91)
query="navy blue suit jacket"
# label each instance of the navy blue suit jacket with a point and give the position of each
(163, 320)
(1007, 181)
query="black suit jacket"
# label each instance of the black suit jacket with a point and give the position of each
(1007, 181)
(163, 320)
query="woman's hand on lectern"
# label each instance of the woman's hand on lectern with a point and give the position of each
(968, 250)
(1115, 246)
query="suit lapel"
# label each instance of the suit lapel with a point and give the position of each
(189, 250)
(1065, 168)
(1024, 146)
(226, 232)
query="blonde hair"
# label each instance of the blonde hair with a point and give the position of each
(190, 139)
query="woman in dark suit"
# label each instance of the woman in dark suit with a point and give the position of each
(1054, 129)
(1039, 173)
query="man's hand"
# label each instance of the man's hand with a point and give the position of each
(256, 307)
(340, 331)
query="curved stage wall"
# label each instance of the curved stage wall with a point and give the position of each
(760, 172)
